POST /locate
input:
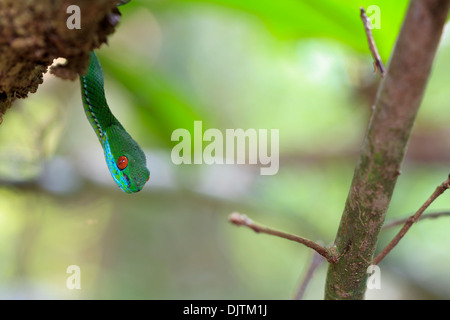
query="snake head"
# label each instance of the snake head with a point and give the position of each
(133, 172)
(126, 160)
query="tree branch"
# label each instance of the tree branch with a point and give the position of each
(242, 220)
(398, 100)
(315, 263)
(398, 222)
(409, 222)
(372, 46)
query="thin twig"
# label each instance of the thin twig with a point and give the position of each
(317, 260)
(378, 63)
(409, 222)
(398, 222)
(242, 220)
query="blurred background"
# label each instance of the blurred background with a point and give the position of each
(299, 66)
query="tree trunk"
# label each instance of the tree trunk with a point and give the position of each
(34, 33)
(398, 100)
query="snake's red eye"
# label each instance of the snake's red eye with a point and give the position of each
(122, 162)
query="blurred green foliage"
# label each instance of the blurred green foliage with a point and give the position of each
(302, 67)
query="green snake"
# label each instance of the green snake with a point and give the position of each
(125, 159)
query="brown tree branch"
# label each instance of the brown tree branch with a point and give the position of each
(399, 222)
(315, 263)
(372, 45)
(409, 222)
(398, 100)
(242, 220)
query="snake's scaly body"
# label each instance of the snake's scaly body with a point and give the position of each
(125, 159)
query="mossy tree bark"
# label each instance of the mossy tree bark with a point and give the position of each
(34, 33)
(398, 100)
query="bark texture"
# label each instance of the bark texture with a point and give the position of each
(34, 33)
(398, 100)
